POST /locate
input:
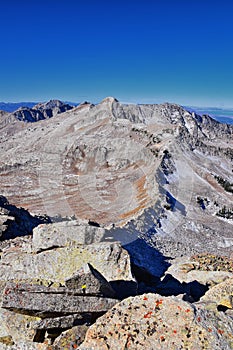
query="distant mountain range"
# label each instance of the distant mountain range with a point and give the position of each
(223, 115)
(13, 106)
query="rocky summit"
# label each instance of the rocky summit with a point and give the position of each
(115, 228)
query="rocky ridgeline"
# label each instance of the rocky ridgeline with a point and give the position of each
(64, 287)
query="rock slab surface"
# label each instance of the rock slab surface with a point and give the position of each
(151, 322)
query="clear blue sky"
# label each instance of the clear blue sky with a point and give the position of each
(138, 51)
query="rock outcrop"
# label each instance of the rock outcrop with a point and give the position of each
(48, 301)
(61, 285)
(63, 233)
(59, 264)
(204, 268)
(56, 277)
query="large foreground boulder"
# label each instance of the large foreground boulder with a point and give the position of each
(151, 322)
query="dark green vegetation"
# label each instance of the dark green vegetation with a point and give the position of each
(225, 212)
(224, 183)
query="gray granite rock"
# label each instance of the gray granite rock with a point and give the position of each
(46, 301)
(41, 111)
(71, 338)
(65, 322)
(59, 264)
(65, 233)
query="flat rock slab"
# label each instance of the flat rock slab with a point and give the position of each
(65, 233)
(22, 287)
(52, 301)
(62, 322)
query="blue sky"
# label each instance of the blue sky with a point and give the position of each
(138, 51)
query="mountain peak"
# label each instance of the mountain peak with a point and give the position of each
(50, 104)
(109, 99)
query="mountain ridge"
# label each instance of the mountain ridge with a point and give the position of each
(223, 115)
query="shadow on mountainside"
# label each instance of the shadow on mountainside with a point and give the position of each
(148, 267)
(16, 222)
(146, 261)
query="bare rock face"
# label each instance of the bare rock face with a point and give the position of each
(150, 322)
(58, 264)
